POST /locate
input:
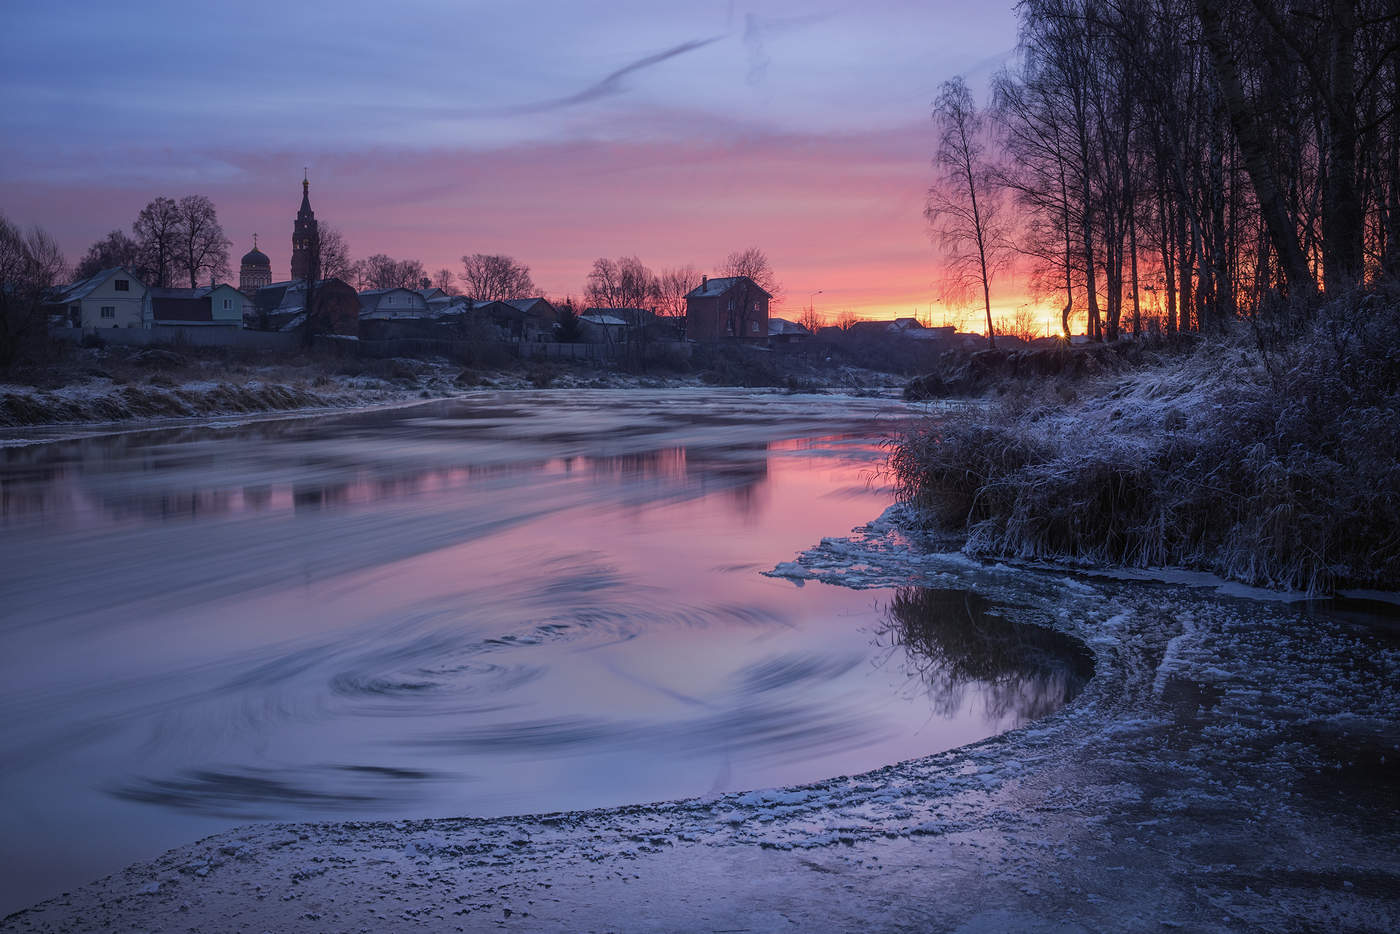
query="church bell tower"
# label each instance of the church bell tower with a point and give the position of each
(303, 233)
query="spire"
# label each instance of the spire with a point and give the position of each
(305, 191)
(255, 241)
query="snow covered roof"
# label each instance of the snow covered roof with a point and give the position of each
(711, 287)
(779, 326)
(607, 320)
(76, 291)
(531, 306)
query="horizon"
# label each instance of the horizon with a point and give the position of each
(677, 136)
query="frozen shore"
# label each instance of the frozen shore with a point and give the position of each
(1231, 766)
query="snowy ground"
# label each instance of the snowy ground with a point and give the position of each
(1231, 766)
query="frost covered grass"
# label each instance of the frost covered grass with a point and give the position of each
(1279, 468)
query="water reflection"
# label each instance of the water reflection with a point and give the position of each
(471, 608)
(954, 641)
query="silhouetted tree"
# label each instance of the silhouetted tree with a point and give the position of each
(201, 244)
(620, 283)
(30, 264)
(384, 272)
(495, 277)
(335, 254)
(445, 280)
(964, 206)
(115, 249)
(672, 285)
(753, 262)
(157, 231)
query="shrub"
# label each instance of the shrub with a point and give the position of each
(1278, 468)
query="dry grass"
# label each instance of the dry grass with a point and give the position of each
(1278, 469)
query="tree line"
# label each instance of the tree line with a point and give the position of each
(1176, 163)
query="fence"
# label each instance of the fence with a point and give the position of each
(243, 338)
(184, 336)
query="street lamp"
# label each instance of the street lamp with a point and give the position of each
(812, 304)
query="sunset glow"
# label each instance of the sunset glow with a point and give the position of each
(677, 136)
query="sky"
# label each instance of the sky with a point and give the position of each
(553, 131)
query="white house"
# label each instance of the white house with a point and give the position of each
(112, 298)
(389, 304)
(209, 306)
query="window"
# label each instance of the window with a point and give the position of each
(228, 303)
(754, 329)
(109, 311)
(122, 285)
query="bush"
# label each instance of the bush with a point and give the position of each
(1278, 469)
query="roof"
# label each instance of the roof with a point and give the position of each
(778, 326)
(712, 287)
(607, 320)
(527, 305)
(255, 257)
(372, 302)
(76, 291)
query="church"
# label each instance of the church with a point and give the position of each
(281, 306)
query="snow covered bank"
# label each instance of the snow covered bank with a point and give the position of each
(1276, 469)
(1226, 769)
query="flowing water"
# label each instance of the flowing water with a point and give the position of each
(518, 602)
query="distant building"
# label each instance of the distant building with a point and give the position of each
(112, 298)
(388, 304)
(734, 307)
(602, 326)
(254, 270)
(304, 233)
(783, 331)
(210, 306)
(281, 306)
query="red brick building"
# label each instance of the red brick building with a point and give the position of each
(724, 309)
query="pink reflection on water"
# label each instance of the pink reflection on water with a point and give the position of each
(445, 612)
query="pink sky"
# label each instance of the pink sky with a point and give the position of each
(676, 137)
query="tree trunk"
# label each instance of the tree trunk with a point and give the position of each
(1283, 229)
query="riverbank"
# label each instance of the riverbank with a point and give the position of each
(113, 384)
(1226, 769)
(1278, 467)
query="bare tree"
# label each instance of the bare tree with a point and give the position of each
(672, 286)
(964, 206)
(157, 230)
(445, 280)
(810, 319)
(384, 272)
(496, 277)
(335, 254)
(620, 283)
(29, 265)
(753, 262)
(115, 249)
(202, 246)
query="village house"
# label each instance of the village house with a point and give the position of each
(112, 298)
(208, 306)
(734, 307)
(781, 331)
(602, 326)
(540, 318)
(392, 304)
(282, 307)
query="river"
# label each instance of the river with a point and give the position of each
(511, 603)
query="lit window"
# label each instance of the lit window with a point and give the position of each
(109, 311)
(122, 285)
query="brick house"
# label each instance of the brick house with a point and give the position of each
(734, 307)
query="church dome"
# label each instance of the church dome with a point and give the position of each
(256, 257)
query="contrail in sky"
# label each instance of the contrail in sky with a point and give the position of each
(610, 85)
